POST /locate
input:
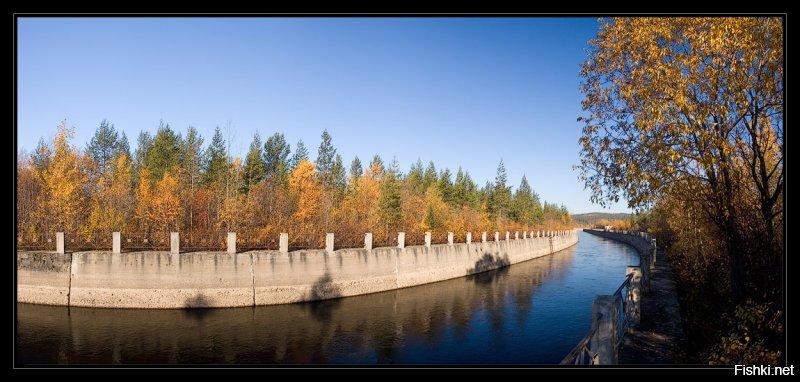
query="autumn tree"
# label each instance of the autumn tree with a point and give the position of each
(305, 187)
(64, 181)
(113, 201)
(29, 199)
(692, 107)
(166, 208)
(175, 183)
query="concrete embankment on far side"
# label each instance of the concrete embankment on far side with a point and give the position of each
(218, 279)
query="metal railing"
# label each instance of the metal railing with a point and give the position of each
(624, 305)
(30, 241)
(585, 352)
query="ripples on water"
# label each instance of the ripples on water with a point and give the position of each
(530, 313)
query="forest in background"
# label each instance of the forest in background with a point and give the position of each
(173, 182)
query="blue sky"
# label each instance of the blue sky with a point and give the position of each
(458, 91)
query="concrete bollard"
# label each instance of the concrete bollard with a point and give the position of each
(368, 241)
(401, 240)
(329, 242)
(516, 235)
(428, 239)
(450, 238)
(496, 236)
(508, 236)
(59, 242)
(524, 234)
(469, 237)
(116, 242)
(231, 242)
(605, 309)
(174, 243)
(483, 237)
(636, 292)
(283, 243)
(538, 233)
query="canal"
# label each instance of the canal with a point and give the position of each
(530, 313)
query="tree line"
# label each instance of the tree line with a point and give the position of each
(175, 182)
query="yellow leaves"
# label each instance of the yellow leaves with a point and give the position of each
(158, 205)
(166, 204)
(304, 185)
(63, 181)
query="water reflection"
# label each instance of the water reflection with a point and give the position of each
(532, 312)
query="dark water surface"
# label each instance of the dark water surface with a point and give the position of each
(530, 313)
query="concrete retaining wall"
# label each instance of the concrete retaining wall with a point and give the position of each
(640, 244)
(218, 279)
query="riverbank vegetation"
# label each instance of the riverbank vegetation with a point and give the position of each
(173, 182)
(684, 119)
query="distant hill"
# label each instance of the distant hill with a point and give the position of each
(593, 217)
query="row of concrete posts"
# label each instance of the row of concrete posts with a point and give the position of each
(283, 243)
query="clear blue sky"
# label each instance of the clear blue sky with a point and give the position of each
(458, 91)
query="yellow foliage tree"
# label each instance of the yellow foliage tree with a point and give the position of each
(692, 108)
(64, 181)
(166, 207)
(112, 202)
(305, 187)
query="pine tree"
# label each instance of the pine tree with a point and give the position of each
(523, 208)
(390, 202)
(415, 177)
(102, 148)
(123, 147)
(164, 155)
(356, 170)
(430, 176)
(41, 157)
(326, 156)
(300, 154)
(215, 161)
(445, 186)
(500, 195)
(254, 167)
(339, 175)
(276, 159)
(144, 142)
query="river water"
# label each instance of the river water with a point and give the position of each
(530, 313)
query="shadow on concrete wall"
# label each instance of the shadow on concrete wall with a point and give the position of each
(324, 298)
(488, 268)
(197, 307)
